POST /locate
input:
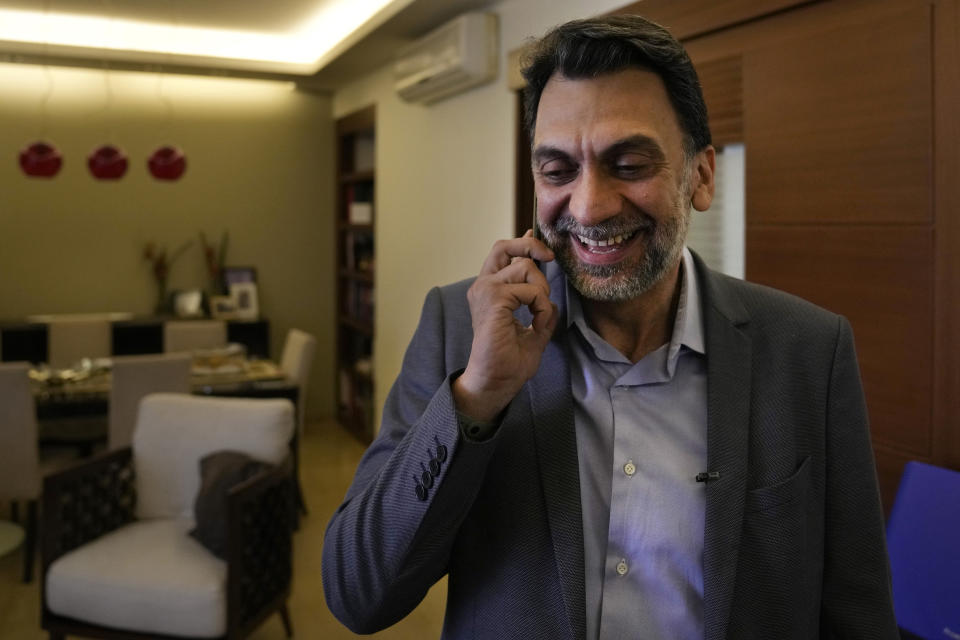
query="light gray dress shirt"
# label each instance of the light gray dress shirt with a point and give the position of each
(642, 440)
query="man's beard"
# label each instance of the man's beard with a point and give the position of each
(663, 245)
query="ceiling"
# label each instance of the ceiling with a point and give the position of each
(377, 49)
(368, 47)
(251, 15)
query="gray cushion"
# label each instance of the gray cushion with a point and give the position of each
(219, 472)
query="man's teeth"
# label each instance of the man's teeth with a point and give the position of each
(609, 242)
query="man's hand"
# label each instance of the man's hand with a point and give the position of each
(505, 354)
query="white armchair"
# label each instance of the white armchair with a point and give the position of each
(117, 553)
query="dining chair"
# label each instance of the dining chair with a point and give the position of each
(924, 555)
(19, 452)
(69, 340)
(134, 377)
(192, 335)
(297, 358)
(187, 533)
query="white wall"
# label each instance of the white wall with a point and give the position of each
(445, 179)
(719, 234)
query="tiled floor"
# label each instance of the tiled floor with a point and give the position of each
(329, 457)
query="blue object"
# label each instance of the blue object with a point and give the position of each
(923, 537)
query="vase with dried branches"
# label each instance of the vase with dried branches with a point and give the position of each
(214, 258)
(160, 264)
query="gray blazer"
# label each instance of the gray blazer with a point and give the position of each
(794, 544)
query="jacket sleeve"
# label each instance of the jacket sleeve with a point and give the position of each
(857, 601)
(390, 541)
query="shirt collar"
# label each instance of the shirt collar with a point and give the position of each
(687, 326)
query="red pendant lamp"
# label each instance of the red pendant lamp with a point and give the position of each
(40, 160)
(167, 163)
(107, 162)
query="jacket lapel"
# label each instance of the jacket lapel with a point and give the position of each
(556, 442)
(728, 411)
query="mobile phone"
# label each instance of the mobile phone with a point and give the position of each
(536, 229)
(536, 225)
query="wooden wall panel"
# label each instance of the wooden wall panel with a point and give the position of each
(690, 18)
(722, 84)
(839, 124)
(880, 278)
(947, 218)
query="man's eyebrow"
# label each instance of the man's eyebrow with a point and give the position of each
(636, 144)
(545, 152)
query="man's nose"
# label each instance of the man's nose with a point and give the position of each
(595, 198)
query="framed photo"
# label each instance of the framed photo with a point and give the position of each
(237, 275)
(223, 307)
(245, 303)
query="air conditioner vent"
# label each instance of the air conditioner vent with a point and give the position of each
(457, 56)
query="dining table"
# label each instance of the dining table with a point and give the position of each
(83, 391)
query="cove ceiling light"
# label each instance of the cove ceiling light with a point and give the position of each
(335, 26)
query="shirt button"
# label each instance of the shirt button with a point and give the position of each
(622, 567)
(629, 468)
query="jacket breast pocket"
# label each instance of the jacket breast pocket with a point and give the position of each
(784, 492)
(780, 561)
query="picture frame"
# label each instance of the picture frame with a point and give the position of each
(223, 307)
(245, 300)
(236, 275)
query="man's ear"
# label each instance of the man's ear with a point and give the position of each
(704, 165)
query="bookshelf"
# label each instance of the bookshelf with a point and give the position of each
(355, 180)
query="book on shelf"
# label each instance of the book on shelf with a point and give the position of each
(363, 152)
(363, 311)
(349, 251)
(358, 251)
(361, 213)
(363, 367)
(349, 300)
(357, 303)
(360, 203)
(363, 191)
(363, 252)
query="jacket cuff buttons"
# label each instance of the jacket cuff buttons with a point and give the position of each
(424, 482)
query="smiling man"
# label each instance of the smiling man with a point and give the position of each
(622, 443)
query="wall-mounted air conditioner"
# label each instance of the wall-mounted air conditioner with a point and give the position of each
(459, 55)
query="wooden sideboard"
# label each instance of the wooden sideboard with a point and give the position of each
(27, 341)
